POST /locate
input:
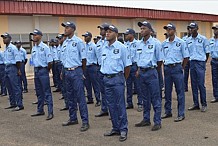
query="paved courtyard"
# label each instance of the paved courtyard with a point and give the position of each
(19, 129)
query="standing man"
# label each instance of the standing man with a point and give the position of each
(2, 75)
(198, 46)
(22, 53)
(187, 67)
(132, 45)
(12, 62)
(42, 61)
(214, 63)
(91, 77)
(101, 43)
(115, 66)
(74, 65)
(149, 57)
(176, 56)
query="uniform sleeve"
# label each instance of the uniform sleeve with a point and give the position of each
(126, 57)
(17, 55)
(185, 51)
(206, 46)
(82, 50)
(159, 52)
(48, 54)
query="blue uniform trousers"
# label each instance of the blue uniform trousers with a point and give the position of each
(115, 97)
(92, 81)
(64, 92)
(186, 75)
(129, 82)
(43, 89)
(54, 77)
(174, 74)
(13, 85)
(214, 70)
(197, 72)
(150, 92)
(2, 79)
(104, 107)
(58, 69)
(161, 82)
(75, 94)
(23, 76)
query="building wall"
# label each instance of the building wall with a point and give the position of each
(52, 25)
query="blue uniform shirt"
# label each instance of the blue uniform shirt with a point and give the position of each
(11, 55)
(198, 47)
(1, 57)
(148, 53)
(213, 48)
(132, 46)
(59, 51)
(175, 51)
(41, 55)
(74, 52)
(22, 53)
(100, 44)
(115, 58)
(54, 52)
(91, 50)
(185, 38)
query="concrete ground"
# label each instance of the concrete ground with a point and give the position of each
(19, 129)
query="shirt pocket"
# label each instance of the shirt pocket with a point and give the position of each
(42, 56)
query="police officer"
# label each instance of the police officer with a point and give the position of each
(12, 74)
(132, 45)
(214, 63)
(42, 60)
(199, 53)
(176, 56)
(101, 43)
(23, 54)
(187, 67)
(74, 65)
(149, 57)
(90, 73)
(58, 66)
(115, 66)
(2, 75)
(95, 39)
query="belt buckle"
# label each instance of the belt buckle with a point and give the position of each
(72, 68)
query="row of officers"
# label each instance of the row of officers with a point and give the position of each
(108, 65)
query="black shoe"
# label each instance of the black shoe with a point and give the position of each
(49, 117)
(98, 104)
(53, 86)
(178, 119)
(4, 95)
(204, 109)
(36, 102)
(166, 116)
(156, 127)
(85, 127)
(101, 114)
(90, 102)
(194, 107)
(17, 109)
(112, 133)
(61, 98)
(38, 114)
(10, 107)
(129, 107)
(57, 90)
(142, 124)
(123, 136)
(68, 123)
(64, 109)
(214, 101)
(25, 91)
(186, 90)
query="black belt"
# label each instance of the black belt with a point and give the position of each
(173, 65)
(9, 65)
(2, 64)
(39, 67)
(215, 59)
(147, 69)
(134, 63)
(91, 65)
(112, 75)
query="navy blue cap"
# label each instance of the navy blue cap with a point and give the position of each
(60, 36)
(87, 34)
(103, 25)
(193, 25)
(18, 42)
(6, 35)
(99, 36)
(112, 28)
(129, 31)
(170, 26)
(215, 27)
(36, 32)
(95, 38)
(70, 24)
(145, 23)
(53, 40)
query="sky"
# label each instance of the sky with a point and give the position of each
(197, 6)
